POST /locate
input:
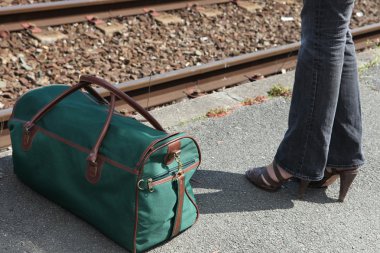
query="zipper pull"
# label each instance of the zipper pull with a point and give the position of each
(179, 173)
(150, 186)
(27, 134)
(177, 158)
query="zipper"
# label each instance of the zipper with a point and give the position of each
(170, 175)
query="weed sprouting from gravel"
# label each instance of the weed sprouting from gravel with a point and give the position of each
(373, 63)
(279, 91)
(255, 100)
(218, 112)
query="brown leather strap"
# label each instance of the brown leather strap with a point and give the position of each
(94, 80)
(180, 195)
(94, 165)
(94, 152)
(96, 95)
(277, 172)
(269, 180)
(173, 149)
(86, 81)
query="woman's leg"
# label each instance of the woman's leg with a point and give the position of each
(304, 150)
(345, 149)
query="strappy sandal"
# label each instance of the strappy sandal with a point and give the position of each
(346, 176)
(258, 175)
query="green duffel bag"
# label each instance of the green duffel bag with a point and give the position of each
(129, 180)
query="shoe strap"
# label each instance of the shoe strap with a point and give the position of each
(271, 182)
(277, 172)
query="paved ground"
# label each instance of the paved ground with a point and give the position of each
(235, 216)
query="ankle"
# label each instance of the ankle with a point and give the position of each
(283, 172)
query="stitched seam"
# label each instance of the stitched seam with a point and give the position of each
(80, 148)
(316, 66)
(345, 166)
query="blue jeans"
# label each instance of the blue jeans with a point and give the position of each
(325, 125)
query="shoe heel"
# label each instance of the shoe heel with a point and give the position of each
(302, 188)
(346, 179)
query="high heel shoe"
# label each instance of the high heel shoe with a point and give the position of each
(260, 178)
(346, 176)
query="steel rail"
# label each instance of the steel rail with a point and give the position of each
(66, 12)
(171, 86)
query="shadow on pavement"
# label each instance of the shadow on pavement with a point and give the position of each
(31, 222)
(222, 192)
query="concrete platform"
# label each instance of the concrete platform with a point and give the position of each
(235, 216)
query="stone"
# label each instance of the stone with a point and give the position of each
(110, 29)
(48, 37)
(166, 19)
(251, 7)
(209, 12)
(3, 84)
(23, 63)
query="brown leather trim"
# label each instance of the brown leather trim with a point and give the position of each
(94, 163)
(80, 148)
(94, 170)
(140, 170)
(171, 178)
(173, 148)
(180, 196)
(150, 147)
(96, 95)
(95, 150)
(89, 79)
(140, 167)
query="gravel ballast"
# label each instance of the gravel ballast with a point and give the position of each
(146, 47)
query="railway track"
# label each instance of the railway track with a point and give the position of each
(171, 86)
(12, 18)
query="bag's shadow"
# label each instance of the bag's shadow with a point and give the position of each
(222, 192)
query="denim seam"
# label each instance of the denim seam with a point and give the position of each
(316, 66)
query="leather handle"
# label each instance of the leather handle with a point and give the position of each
(96, 95)
(94, 166)
(95, 150)
(94, 80)
(86, 81)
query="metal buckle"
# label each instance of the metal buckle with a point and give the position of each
(139, 184)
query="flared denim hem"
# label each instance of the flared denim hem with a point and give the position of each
(354, 165)
(316, 178)
(299, 174)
